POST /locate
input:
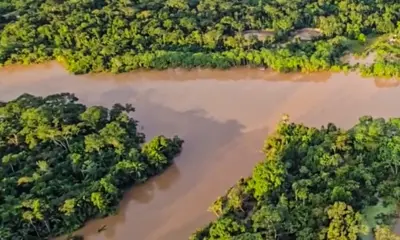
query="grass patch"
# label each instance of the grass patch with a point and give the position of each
(370, 213)
(360, 49)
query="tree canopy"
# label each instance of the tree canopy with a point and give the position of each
(122, 35)
(64, 163)
(315, 183)
(387, 62)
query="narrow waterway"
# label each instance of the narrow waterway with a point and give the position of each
(223, 116)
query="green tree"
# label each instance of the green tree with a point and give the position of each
(65, 164)
(345, 224)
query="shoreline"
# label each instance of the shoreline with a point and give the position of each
(352, 62)
(231, 117)
(202, 74)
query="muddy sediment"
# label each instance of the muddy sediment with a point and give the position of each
(223, 116)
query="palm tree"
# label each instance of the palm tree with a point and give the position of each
(43, 166)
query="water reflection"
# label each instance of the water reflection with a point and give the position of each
(223, 119)
(152, 208)
(236, 74)
(145, 193)
(53, 69)
(386, 83)
(141, 194)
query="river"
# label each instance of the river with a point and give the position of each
(223, 116)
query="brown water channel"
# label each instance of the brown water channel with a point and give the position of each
(223, 116)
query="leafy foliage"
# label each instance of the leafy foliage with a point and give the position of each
(122, 35)
(387, 63)
(314, 184)
(64, 163)
(384, 233)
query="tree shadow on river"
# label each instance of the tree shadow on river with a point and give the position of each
(154, 204)
(196, 74)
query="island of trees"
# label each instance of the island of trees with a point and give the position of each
(64, 163)
(123, 35)
(316, 183)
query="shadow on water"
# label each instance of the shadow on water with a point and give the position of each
(149, 207)
(234, 74)
(217, 149)
(141, 194)
(237, 159)
(145, 193)
(386, 83)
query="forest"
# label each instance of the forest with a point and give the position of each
(123, 35)
(63, 163)
(316, 183)
(387, 50)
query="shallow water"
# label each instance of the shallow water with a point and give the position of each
(224, 119)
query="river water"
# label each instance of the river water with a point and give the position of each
(223, 116)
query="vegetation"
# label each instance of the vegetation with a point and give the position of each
(316, 184)
(64, 163)
(384, 233)
(387, 63)
(122, 35)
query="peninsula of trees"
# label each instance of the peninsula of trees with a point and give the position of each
(64, 163)
(123, 35)
(316, 184)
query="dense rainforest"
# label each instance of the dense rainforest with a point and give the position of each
(123, 35)
(64, 163)
(316, 183)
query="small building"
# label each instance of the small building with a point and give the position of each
(259, 34)
(307, 34)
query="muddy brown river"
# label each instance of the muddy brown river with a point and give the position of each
(223, 116)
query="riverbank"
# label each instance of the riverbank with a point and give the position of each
(234, 74)
(93, 37)
(224, 119)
